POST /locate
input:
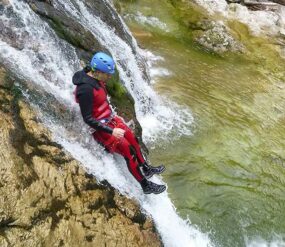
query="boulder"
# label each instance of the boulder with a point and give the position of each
(216, 37)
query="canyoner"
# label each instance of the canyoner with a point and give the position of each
(110, 130)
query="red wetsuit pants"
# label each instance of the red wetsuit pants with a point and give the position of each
(127, 146)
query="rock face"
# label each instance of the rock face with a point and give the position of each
(76, 34)
(72, 31)
(47, 199)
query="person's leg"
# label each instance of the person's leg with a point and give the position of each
(133, 140)
(129, 153)
(148, 170)
(124, 148)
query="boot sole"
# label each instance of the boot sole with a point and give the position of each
(159, 191)
(149, 176)
(154, 192)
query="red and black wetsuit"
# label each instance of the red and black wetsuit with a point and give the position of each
(96, 111)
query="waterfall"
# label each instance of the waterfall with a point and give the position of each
(33, 52)
(154, 114)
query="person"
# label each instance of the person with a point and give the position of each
(110, 129)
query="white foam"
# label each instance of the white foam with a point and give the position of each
(277, 241)
(259, 22)
(213, 6)
(155, 71)
(148, 20)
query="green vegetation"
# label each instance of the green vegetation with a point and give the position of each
(120, 98)
(115, 88)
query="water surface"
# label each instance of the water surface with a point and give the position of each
(229, 176)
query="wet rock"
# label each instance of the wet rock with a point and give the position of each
(9, 36)
(46, 1)
(108, 15)
(129, 208)
(5, 2)
(258, 3)
(45, 195)
(68, 29)
(234, 1)
(72, 31)
(31, 125)
(282, 2)
(261, 5)
(216, 37)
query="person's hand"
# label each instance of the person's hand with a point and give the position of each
(118, 133)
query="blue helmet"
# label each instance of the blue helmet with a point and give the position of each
(103, 62)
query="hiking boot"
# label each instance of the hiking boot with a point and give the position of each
(149, 171)
(150, 187)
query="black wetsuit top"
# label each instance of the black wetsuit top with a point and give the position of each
(84, 94)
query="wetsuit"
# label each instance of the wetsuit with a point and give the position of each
(96, 111)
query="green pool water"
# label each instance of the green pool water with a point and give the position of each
(228, 178)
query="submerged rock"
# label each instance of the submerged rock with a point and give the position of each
(47, 199)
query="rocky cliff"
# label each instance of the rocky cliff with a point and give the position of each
(47, 199)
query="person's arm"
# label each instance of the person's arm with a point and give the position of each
(85, 98)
